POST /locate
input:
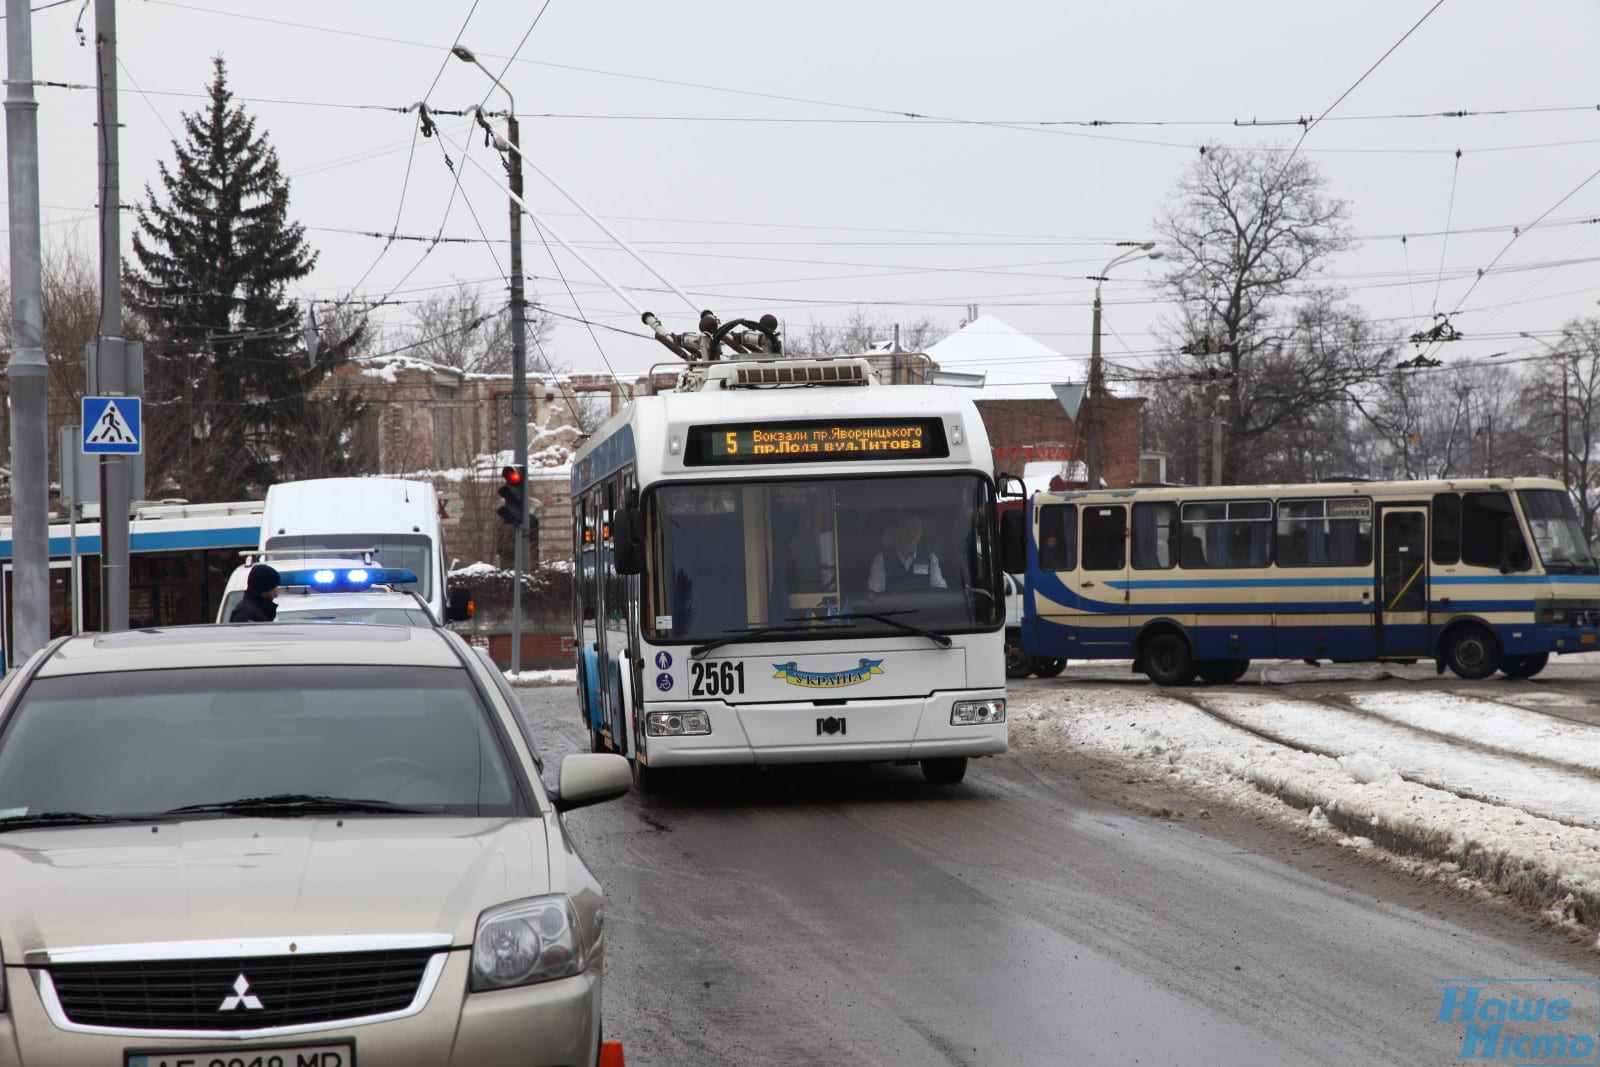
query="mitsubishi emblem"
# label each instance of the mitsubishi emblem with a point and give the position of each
(241, 996)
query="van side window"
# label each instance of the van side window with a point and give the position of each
(1058, 537)
(1105, 537)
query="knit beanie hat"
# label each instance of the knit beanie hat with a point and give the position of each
(263, 579)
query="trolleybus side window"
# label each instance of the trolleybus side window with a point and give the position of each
(1155, 535)
(1491, 535)
(1227, 533)
(1325, 533)
(1058, 537)
(1105, 538)
(1446, 528)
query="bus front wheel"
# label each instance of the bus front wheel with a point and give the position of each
(1048, 668)
(1524, 666)
(947, 770)
(1223, 671)
(1167, 660)
(1473, 652)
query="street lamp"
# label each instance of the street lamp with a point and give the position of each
(1097, 382)
(1566, 446)
(519, 351)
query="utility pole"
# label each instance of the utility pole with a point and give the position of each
(27, 370)
(111, 377)
(519, 352)
(1097, 379)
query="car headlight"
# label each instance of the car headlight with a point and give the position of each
(676, 723)
(978, 712)
(527, 941)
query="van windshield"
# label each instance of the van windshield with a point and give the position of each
(414, 552)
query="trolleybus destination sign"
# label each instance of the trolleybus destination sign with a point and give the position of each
(815, 440)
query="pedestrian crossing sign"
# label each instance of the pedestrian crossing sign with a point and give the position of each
(112, 424)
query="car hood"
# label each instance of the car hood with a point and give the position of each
(235, 878)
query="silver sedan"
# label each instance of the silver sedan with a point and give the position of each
(283, 845)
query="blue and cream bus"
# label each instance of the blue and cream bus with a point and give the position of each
(748, 586)
(179, 560)
(1480, 575)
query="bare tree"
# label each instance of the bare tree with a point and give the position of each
(1247, 234)
(1564, 416)
(460, 328)
(862, 331)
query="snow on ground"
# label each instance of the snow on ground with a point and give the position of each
(566, 677)
(1514, 803)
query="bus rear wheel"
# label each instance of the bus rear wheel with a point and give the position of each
(947, 770)
(1524, 666)
(1167, 660)
(1018, 663)
(1048, 668)
(1473, 652)
(1222, 671)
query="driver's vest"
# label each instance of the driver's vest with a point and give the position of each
(897, 575)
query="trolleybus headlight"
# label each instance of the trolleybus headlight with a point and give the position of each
(676, 723)
(978, 712)
(527, 941)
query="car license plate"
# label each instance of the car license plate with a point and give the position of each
(327, 1054)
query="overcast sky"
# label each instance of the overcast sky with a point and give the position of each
(761, 154)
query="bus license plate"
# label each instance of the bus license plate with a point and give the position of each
(329, 1054)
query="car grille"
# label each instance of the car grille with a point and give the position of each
(190, 994)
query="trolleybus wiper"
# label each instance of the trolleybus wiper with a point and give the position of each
(885, 617)
(761, 631)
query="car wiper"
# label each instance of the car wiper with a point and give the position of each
(63, 818)
(762, 631)
(887, 617)
(300, 804)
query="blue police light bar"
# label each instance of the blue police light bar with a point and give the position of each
(351, 580)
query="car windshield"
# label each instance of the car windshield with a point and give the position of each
(120, 743)
(739, 556)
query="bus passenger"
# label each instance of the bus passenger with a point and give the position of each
(905, 564)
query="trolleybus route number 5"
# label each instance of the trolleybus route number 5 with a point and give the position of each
(717, 679)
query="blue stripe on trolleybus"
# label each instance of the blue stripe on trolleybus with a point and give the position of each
(159, 541)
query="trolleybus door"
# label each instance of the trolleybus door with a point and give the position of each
(1402, 582)
(1102, 581)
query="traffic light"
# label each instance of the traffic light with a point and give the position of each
(515, 495)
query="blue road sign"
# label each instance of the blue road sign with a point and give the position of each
(112, 424)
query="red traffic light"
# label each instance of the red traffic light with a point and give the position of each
(512, 475)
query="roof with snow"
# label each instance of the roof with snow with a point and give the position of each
(1017, 365)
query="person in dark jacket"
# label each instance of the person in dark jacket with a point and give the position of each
(260, 590)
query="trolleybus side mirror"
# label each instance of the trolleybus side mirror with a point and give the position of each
(459, 606)
(1013, 541)
(627, 541)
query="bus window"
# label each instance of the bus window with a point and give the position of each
(1491, 536)
(1446, 528)
(1058, 537)
(1105, 536)
(1227, 533)
(1155, 536)
(1325, 533)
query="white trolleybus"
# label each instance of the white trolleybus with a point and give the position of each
(1480, 575)
(785, 561)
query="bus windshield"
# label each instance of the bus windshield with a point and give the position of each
(1556, 531)
(736, 556)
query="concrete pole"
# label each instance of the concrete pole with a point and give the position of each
(112, 378)
(519, 387)
(1097, 385)
(28, 372)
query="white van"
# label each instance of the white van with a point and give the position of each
(396, 520)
